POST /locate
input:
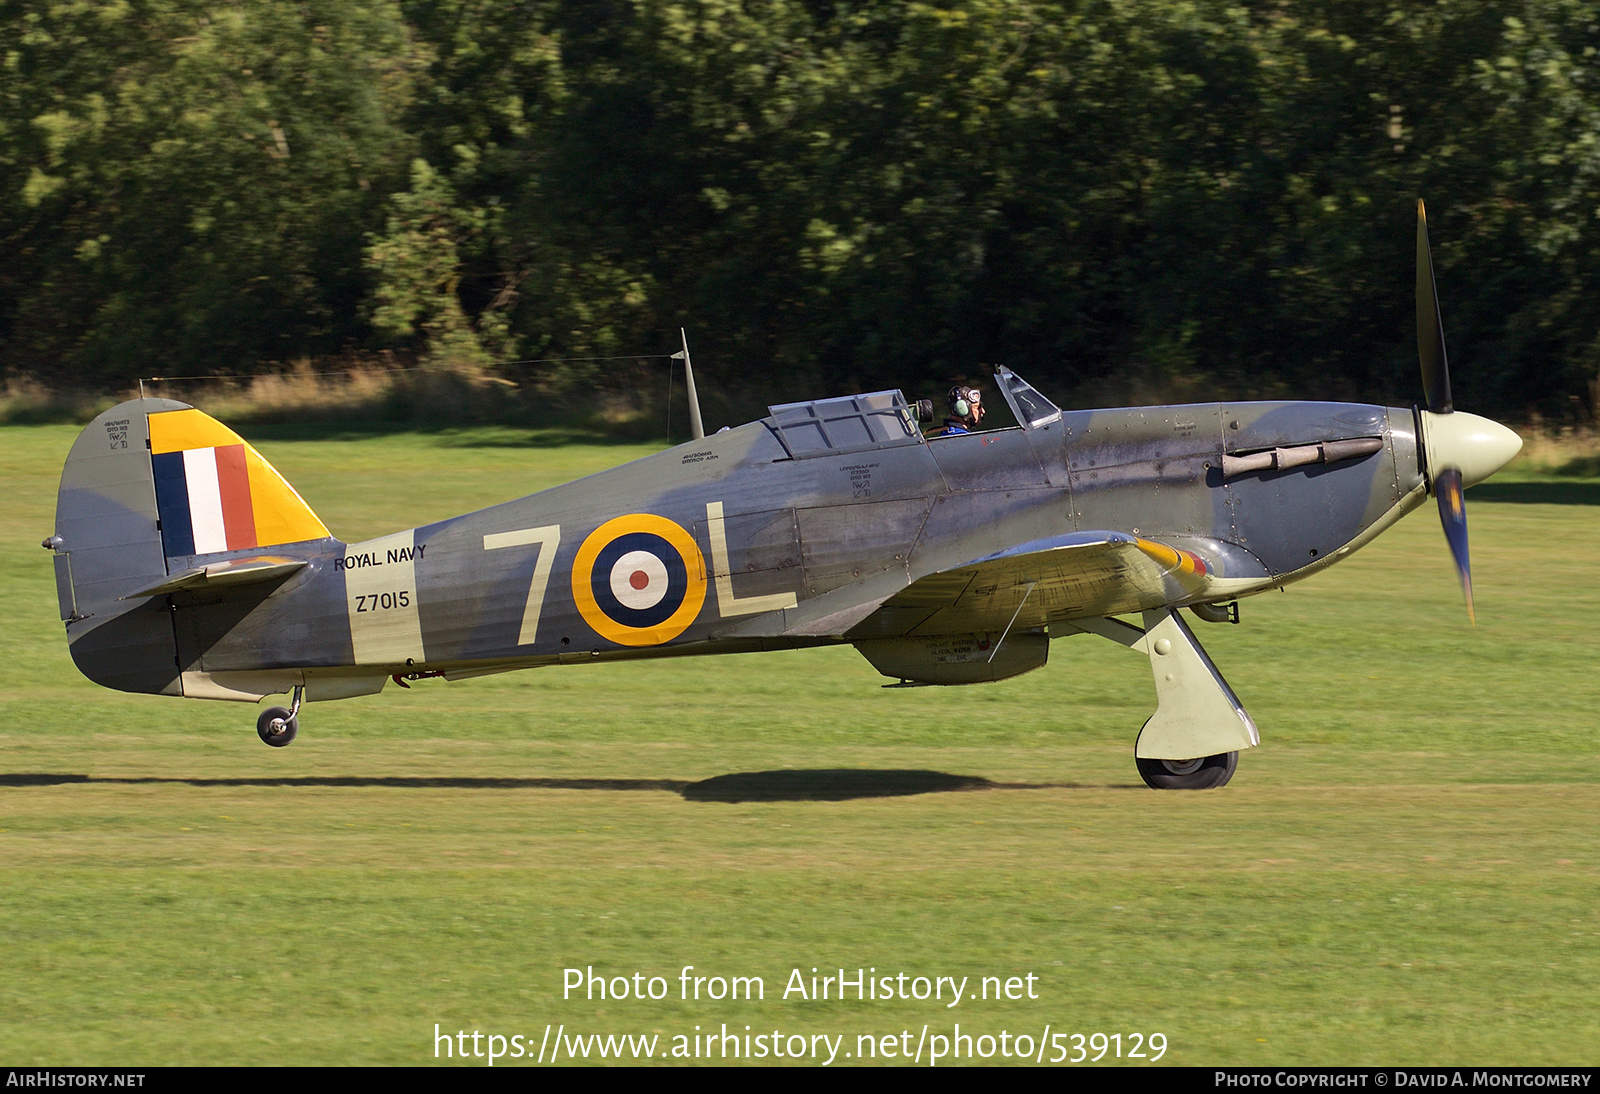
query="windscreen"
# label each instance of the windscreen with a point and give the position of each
(1032, 409)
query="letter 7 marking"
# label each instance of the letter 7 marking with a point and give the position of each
(548, 538)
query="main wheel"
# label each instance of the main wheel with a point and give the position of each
(277, 727)
(1201, 773)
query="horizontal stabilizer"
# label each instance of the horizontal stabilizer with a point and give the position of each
(238, 571)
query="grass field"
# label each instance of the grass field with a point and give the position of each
(1404, 873)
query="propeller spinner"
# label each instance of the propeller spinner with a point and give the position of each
(1461, 449)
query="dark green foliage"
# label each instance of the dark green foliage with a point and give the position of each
(1122, 198)
(186, 183)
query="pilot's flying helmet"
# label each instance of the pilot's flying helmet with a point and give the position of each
(966, 403)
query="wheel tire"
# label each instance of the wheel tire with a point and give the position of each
(277, 727)
(1205, 773)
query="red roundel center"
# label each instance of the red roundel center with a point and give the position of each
(639, 579)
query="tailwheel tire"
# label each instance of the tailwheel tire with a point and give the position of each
(277, 727)
(1201, 773)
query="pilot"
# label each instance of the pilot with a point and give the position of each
(966, 411)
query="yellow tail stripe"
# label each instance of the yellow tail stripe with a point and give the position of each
(181, 430)
(281, 514)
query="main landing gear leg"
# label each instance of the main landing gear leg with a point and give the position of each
(1193, 739)
(277, 726)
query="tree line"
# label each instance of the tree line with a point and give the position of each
(1120, 199)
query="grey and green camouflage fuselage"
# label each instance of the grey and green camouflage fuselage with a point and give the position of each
(945, 560)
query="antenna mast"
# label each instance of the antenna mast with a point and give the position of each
(695, 426)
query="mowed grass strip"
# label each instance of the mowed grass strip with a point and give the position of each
(1404, 873)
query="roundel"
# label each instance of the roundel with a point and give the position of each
(639, 580)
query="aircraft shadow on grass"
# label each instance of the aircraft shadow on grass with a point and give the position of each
(822, 784)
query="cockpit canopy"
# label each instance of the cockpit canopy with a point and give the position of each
(850, 423)
(883, 419)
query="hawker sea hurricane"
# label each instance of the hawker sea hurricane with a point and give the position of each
(187, 566)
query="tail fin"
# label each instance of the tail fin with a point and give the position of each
(215, 493)
(150, 487)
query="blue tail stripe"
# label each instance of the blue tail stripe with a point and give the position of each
(172, 503)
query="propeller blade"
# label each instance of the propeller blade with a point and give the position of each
(1453, 515)
(1430, 326)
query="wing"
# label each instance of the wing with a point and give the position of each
(1079, 576)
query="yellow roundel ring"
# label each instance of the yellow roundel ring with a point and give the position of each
(639, 580)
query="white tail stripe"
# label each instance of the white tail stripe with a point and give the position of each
(205, 500)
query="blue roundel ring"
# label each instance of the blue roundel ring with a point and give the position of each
(616, 610)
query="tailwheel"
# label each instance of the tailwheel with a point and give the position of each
(277, 726)
(1200, 773)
